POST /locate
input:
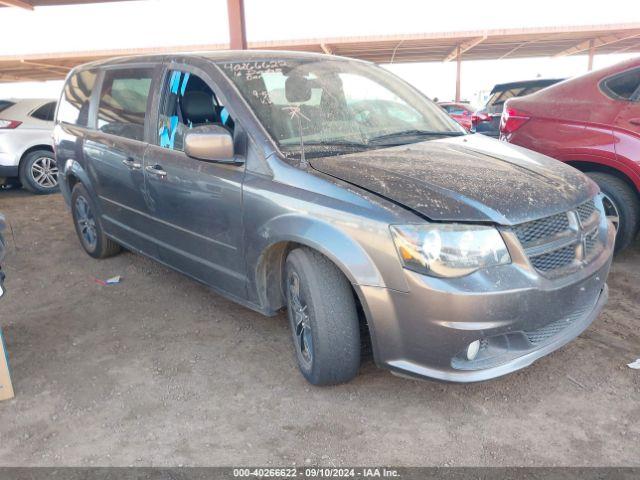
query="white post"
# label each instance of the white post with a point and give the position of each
(6, 388)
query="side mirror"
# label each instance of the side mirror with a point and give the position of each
(212, 143)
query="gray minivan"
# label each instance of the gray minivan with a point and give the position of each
(330, 187)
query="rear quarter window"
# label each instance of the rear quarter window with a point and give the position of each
(75, 99)
(4, 104)
(45, 112)
(623, 86)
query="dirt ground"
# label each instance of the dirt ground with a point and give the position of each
(160, 371)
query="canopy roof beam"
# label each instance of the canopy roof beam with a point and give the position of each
(17, 3)
(326, 48)
(464, 47)
(46, 66)
(595, 43)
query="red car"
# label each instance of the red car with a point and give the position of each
(591, 122)
(460, 112)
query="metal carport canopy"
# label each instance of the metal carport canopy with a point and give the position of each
(420, 47)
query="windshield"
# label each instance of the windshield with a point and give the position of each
(336, 103)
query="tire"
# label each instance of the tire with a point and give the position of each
(39, 172)
(619, 195)
(88, 227)
(323, 313)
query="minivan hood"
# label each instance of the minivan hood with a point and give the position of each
(471, 178)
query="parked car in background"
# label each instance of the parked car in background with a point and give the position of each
(460, 257)
(487, 120)
(3, 252)
(460, 112)
(591, 122)
(26, 151)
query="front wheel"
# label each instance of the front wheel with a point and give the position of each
(323, 318)
(621, 207)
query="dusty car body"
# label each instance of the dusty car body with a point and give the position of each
(462, 257)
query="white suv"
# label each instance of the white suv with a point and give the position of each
(26, 151)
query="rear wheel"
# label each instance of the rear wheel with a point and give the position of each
(39, 172)
(87, 224)
(621, 206)
(323, 318)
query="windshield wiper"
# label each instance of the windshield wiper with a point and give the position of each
(415, 133)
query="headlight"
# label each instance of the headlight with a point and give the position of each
(449, 250)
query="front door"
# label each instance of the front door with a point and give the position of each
(196, 205)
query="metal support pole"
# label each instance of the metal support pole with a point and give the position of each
(592, 52)
(458, 67)
(17, 3)
(237, 31)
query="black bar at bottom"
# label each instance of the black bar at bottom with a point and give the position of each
(305, 473)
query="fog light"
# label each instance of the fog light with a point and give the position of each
(473, 349)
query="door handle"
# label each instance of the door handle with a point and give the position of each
(635, 121)
(130, 163)
(156, 170)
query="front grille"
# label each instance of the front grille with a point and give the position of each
(556, 259)
(545, 227)
(562, 242)
(586, 210)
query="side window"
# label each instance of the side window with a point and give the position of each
(623, 85)
(4, 104)
(45, 112)
(123, 102)
(188, 102)
(76, 95)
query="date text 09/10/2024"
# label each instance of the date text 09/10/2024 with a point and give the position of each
(315, 472)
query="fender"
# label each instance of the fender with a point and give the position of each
(266, 251)
(329, 240)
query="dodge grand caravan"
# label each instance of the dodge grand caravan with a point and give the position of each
(273, 178)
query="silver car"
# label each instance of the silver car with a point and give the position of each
(26, 152)
(332, 189)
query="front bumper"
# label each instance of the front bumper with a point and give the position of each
(517, 315)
